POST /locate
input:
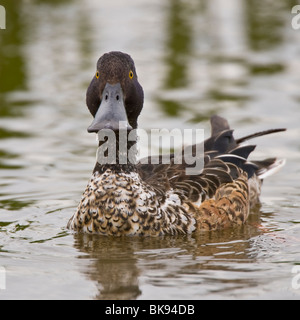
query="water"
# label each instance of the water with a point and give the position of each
(194, 58)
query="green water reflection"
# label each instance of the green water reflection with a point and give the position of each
(178, 44)
(12, 64)
(263, 23)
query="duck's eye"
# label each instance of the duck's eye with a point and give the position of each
(130, 74)
(97, 74)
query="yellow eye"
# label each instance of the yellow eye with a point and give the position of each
(97, 74)
(130, 74)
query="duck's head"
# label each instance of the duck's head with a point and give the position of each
(114, 95)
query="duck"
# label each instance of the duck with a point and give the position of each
(128, 198)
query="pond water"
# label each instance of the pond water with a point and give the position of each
(194, 59)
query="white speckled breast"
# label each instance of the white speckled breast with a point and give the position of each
(122, 204)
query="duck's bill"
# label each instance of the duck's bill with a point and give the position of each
(111, 113)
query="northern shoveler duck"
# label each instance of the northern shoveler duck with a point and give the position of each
(151, 200)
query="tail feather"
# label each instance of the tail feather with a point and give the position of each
(268, 167)
(259, 134)
(224, 146)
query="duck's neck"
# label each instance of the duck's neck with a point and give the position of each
(117, 151)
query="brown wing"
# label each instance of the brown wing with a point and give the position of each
(219, 194)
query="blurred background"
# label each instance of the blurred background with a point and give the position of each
(194, 58)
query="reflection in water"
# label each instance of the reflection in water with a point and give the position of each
(12, 64)
(114, 266)
(178, 48)
(265, 22)
(12, 78)
(178, 44)
(119, 265)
